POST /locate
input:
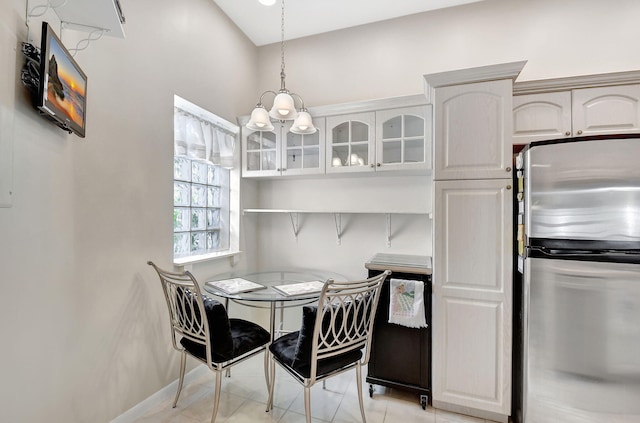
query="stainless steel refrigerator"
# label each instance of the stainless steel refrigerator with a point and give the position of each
(580, 256)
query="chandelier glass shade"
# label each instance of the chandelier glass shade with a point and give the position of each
(259, 120)
(303, 124)
(283, 108)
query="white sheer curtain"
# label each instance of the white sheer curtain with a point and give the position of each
(179, 133)
(198, 138)
(226, 143)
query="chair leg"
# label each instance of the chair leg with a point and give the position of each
(183, 361)
(307, 403)
(359, 382)
(272, 381)
(216, 397)
(266, 368)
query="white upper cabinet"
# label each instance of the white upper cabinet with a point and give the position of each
(576, 113)
(303, 154)
(541, 117)
(389, 139)
(473, 130)
(281, 153)
(391, 134)
(261, 155)
(350, 143)
(403, 138)
(606, 110)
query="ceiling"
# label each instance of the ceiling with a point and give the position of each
(309, 17)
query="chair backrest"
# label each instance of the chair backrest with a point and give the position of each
(345, 316)
(187, 315)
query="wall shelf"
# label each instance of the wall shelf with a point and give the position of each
(83, 15)
(294, 215)
(104, 14)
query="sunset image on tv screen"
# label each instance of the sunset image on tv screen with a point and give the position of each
(66, 86)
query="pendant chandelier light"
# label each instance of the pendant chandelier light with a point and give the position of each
(283, 108)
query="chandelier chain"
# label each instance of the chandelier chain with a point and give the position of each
(283, 108)
(282, 74)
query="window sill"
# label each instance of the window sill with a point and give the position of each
(205, 257)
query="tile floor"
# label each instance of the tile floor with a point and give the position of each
(244, 396)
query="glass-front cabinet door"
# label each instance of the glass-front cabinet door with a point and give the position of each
(303, 154)
(281, 153)
(260, 152)
(403, 138)
(350, 146)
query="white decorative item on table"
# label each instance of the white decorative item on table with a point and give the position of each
(300, 288)
(235, 285)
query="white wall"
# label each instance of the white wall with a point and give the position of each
(388, 59)
(363, 235)
(82, 316)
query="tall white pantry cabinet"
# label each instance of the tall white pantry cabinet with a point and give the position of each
(472, 264)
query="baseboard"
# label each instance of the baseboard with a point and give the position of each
(488, 415)
(168, 392)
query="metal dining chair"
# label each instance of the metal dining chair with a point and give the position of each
(201, 328)
(331, 338)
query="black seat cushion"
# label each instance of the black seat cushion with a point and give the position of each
(293, 350)
(230, 338)
(247, 336)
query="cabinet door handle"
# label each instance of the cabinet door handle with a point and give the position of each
(508, 169)
(508, 186)
(567, 133)
(378, 164)
(579, 131)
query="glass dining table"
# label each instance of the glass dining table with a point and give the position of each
(267, 295)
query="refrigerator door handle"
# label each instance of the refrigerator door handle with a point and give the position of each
(632, 256)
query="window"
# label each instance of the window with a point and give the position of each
(200, 207)
(203, 177)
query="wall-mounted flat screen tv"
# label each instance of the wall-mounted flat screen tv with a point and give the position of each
(62, 94)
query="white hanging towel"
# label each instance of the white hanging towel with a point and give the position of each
(406, 303)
